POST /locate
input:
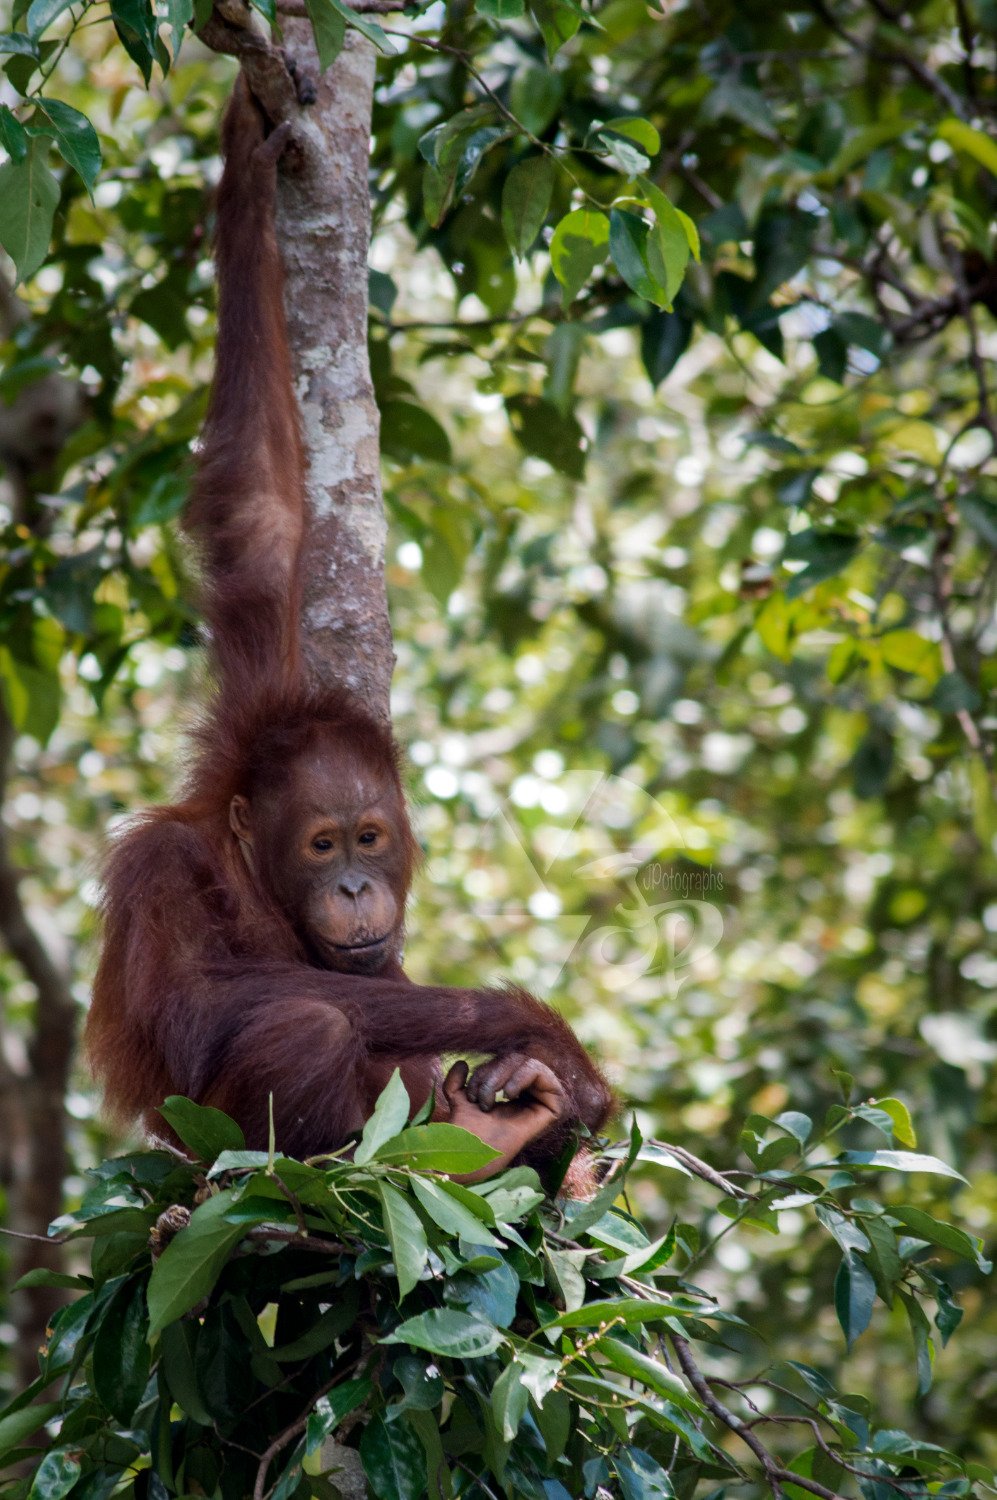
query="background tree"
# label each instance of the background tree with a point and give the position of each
(725, 528)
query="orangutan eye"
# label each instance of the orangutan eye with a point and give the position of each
(322, 845)
(368, 837)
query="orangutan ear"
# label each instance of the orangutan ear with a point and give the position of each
(238, 818)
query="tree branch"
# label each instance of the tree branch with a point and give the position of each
(895, 54)
(775, 1475)
(230, 29)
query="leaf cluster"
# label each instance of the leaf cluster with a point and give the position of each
(242, 1309)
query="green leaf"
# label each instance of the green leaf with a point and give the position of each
(535, 96)
(949, 1314)
(179, 14)
(641, 1476)
(329, 26)
(136, 25)
(847, 1233)
(969, 141)
(634, 128)
(320, 1334)
(444, 1330)
(75, 139)
(648, 1372)
(854, 1295)
(390, 1114)
(28, 198)
(207, 1131)
(799, 1126)
(630, 143)
(421, 1381)
(13, 136)
(953, 694)
(16, 42)
(510, 1399)
(580, 243)
(936, 1232)
(664, 339)
(121, 1351)
(41, 14)
(370, 29)
(393, 1459)
(872, 763)
(526, 196)
(628, 246)
(331, 1409)
(924, 1348)
(177, 1347)
(675, 238)
(625, 1309)
(980, 513)
(42, 1276)
(911, 652)
(883, 1258)
(453, 151)
(501, 10)
(903, 1126)
(437, 1148)
(406, 1236)
(409, 431)
(450, 1214)
(547, 433)
(17, 1426)
(557, 21)
(567, 1267)
(56, 1474)
(826, 553)
(897, 1161)
(192, 1262)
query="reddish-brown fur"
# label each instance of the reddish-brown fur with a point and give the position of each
(207, 986)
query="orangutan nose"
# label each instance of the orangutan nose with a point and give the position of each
(353, 885)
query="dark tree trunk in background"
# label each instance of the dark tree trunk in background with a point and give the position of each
(33, 1155)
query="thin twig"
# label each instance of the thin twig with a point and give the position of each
(41, 1239)
(295, 1203)
(968, 43)
(704, 1170)
(985, 413)
(775, 1475)
(898, 55)
(813, 1422)
(263, 1232)
(291, 1431)
(556, 156)
(941, 572)
(362, 7)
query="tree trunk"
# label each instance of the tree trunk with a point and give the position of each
(323, 227)
(33, 1155)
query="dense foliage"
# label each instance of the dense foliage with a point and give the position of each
(466, 1340)
(694, 606)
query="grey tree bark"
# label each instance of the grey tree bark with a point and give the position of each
(323, 227)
